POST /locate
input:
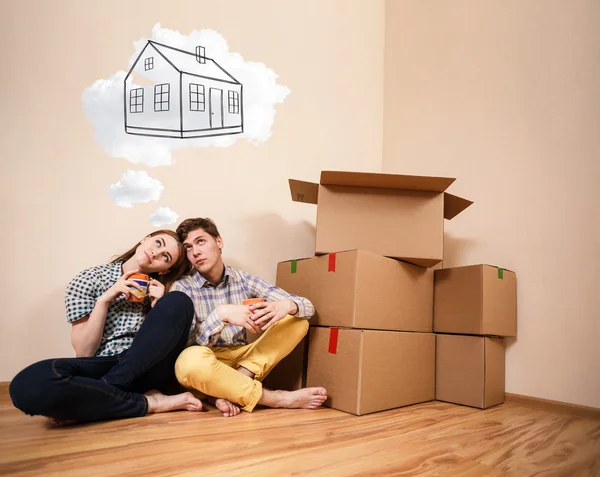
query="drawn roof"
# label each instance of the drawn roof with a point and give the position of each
(185, 61)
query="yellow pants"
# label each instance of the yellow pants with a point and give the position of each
(212, 371)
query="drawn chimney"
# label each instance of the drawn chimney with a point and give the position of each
(200, 54)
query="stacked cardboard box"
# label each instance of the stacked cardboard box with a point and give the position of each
(371, 341)
(474, 308)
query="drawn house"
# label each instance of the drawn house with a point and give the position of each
(170, 92)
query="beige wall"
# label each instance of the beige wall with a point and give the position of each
(502, 95)
(505, 96)
(58, 217)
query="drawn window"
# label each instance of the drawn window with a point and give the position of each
(200, 54)
(149, 63)
(197, 102)
(136, 100)
(233, 102)
(161, 97)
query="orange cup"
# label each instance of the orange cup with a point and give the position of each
(142, 280)
(252, 301)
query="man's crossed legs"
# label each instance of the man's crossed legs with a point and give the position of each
(235, 373)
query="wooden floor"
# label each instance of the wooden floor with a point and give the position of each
(427, 439)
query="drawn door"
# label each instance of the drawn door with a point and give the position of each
(216, 108)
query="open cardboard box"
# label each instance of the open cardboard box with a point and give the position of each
(393, 215)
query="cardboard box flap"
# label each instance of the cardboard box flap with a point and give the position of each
(454, 205)
(304, 191)
(386, 181)
(314, 256)
(297, 259)
(497, 267)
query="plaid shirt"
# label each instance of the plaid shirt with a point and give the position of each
(236, 286)
(123, 317)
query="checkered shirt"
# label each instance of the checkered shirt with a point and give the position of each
(208, 329)
(123, 317)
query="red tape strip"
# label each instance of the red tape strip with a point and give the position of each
(331, 262)
(333, 339)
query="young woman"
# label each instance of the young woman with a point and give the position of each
(126, 350)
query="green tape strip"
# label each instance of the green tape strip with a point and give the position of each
(500, 273)
(294, 266)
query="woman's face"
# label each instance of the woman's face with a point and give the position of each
(157, 254)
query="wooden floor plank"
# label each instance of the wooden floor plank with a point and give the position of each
(428, 439)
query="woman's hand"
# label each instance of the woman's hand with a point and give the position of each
(121, 286)
(156, 290)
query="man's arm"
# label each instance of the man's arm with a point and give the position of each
(207, 331)
(261, 288)
(278, 304)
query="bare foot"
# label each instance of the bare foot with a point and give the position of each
(228, 408)
(158, 402)
(307, 398)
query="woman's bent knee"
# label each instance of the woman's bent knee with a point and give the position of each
(176, 307)
(179, 300)
(28, 387)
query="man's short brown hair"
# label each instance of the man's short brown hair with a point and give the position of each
(189, 225)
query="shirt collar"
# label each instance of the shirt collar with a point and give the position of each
(116, 269)
(227, 276)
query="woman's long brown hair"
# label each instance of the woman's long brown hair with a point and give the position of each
(179, 267)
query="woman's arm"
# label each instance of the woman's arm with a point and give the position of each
(87, 331)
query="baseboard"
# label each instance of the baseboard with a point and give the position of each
(539, 403)
(555, 406)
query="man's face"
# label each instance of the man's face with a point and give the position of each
(203, 250)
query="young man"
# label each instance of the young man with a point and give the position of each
(224, 365)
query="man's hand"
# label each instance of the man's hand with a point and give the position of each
(266, 314)
(238, 315)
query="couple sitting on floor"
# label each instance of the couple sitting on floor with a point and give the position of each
(134, 357)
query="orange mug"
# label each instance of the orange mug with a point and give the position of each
(142, 280)
(252, 301)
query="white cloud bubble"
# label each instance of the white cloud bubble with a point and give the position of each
(104, 107)
(163, 216)
(135, 187)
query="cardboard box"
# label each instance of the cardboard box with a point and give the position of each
(470, 370)
(366, 371)
(392, 215)
(475, 300)
(290, 373)
(357, 289)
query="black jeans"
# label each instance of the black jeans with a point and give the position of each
(110, 387)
